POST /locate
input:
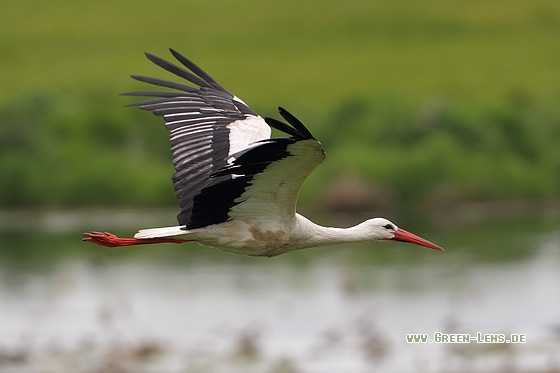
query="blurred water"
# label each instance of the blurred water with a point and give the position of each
(69, 307)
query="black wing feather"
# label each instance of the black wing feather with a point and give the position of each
(174, 69)
(193, 67)
(281, 126)
(296, 123)
(164, 83)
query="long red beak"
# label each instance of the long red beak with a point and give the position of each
(404, 236)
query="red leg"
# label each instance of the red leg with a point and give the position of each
(110, 240)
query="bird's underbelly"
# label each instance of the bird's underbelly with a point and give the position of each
(247, 238)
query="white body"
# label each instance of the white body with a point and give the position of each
(262, 238)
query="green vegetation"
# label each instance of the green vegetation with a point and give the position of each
(508, 151)
(421, 98)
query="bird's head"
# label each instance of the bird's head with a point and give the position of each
(385, 230)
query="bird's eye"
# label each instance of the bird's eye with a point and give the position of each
(389, 226)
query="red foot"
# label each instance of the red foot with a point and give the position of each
(110, 240)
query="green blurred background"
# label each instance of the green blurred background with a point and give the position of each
(416, 102)
(442, 115)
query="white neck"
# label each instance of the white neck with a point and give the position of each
(313, 234)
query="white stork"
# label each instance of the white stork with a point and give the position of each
(236, 186)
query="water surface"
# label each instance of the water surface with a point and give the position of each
(66, 306)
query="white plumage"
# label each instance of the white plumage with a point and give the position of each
(237, 187)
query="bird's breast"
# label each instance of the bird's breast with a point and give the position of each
(249, 238)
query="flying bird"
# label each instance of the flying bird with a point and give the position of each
(236, 186)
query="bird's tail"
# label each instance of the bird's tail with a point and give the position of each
(161, 232)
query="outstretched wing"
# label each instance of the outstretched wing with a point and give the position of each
(221, 149)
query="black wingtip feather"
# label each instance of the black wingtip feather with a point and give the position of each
(283, 127)
(164, 83)
(297, 130)
(174, 69)
(151, 93)
(296, 123)
(193, 67)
